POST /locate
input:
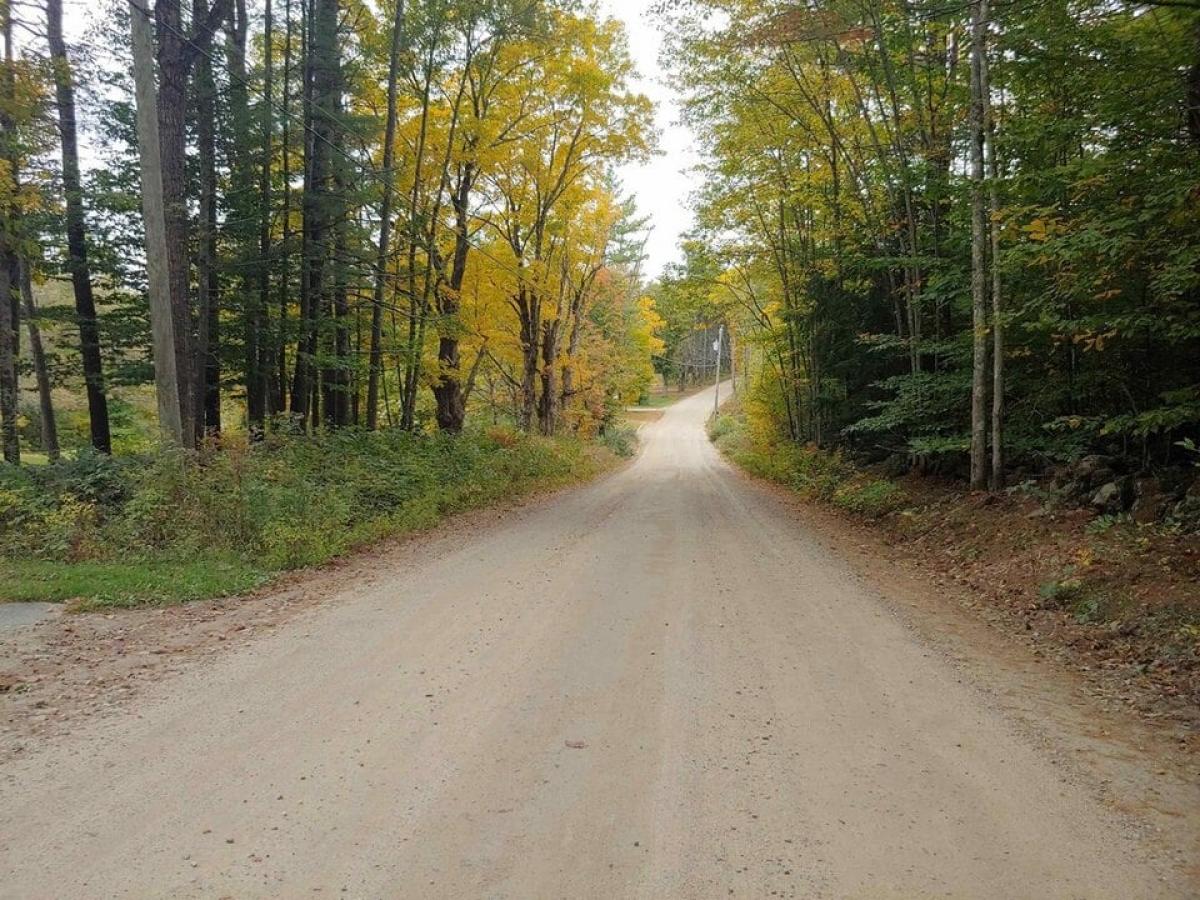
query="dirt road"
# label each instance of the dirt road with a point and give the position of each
(655, 686)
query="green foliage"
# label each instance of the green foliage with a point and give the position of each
(621, 438)
(283, 504)
(836, 231)
(870, 498)
(721, 427)
(1061, 592)
(811, 472)
(1105, 523)
(928, 407)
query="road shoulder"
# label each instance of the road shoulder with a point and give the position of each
(1144, 769)
(64, 671)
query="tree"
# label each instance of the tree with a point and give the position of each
(385, 219)
(579, 114)
(17, 109)
(37, 353)
(176, 56)
(979, 242)
(76, 232)
(168, 361)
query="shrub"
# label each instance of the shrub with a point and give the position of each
(502, 436)
(873, 498)
(810, 471)
(1087, 603)
(1061, 593)
(288, 502)
(620, 439)
(721, 426)
(820, 474)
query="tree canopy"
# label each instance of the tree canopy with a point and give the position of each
(370, 213)
(902, 293)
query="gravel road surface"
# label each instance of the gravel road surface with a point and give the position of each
(654, 686)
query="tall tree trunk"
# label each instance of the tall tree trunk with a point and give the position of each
(264, 355)
(385, 224)
(208, 318)
(77, 257)
(417, 295)
(166, 382)
(415, 367)
(244, 227)
(448, 390)
(531, 346)
(174, 64)
(9, 223)
(529, 379)
(10, 443)
(568, 369)
(337, 379)
(979, 239)
(37, 353)
(322, 208)
(165, 178)
(548, 402)
(993, 173)
(315, 157)
(285, 165)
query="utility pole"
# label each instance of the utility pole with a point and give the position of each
(717, 380)
(162, 324)
(732, 367)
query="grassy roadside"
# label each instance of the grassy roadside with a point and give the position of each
(661, 395)
(659, 399)
(1114, 599)
(813, 473)
(168, 527)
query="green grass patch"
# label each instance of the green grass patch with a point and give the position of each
(1088, 603)
(110, 584)
(659, 400)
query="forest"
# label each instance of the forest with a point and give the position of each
(963, 238)
(309, 216)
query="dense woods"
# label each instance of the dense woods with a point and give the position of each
(299, 217)
(964, 237)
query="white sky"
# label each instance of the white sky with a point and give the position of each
(660, 187)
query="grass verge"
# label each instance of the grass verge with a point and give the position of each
(170, 527)
(811, 472)
(96, 584)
